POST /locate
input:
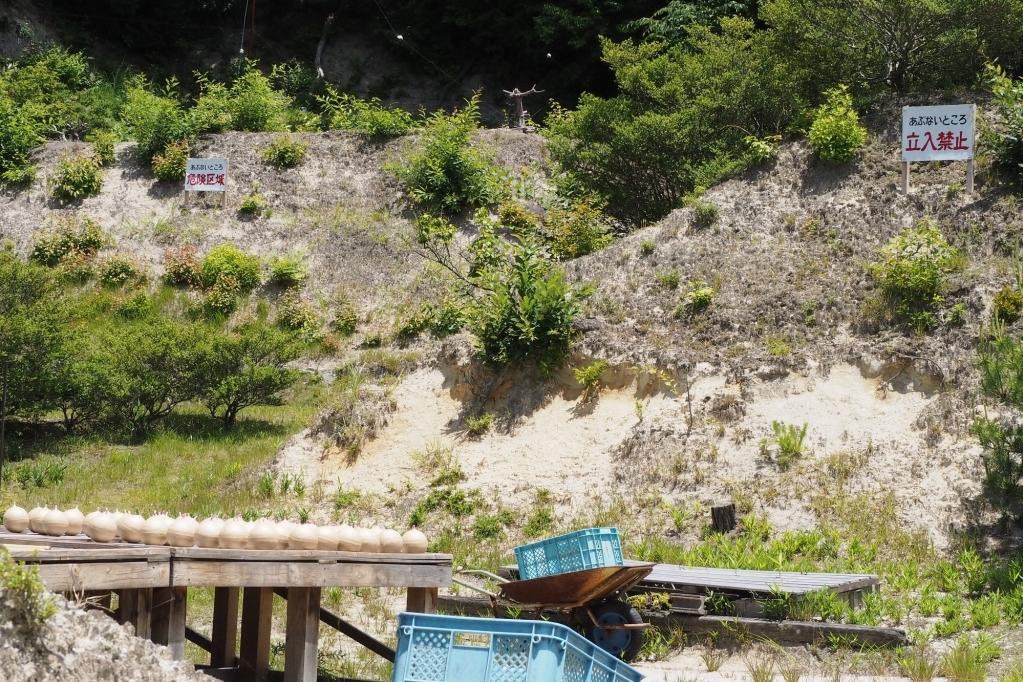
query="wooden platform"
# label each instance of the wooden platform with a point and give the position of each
(697, 579)
(151, 584)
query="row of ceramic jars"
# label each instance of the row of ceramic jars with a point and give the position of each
(184, 531)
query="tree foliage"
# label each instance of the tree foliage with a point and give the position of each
(1001, 370)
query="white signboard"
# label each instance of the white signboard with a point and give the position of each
(938, 133)
(206, 175)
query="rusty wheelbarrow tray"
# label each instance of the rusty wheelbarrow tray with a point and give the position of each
(589, 595)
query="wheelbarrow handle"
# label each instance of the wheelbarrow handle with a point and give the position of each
(478, 572)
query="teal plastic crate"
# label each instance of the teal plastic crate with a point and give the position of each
(575, 551)
(435, 648)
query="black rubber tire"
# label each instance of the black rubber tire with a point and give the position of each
(624, 644)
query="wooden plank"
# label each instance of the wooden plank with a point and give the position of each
(421, 600)
(280, 574)
(292, 555)
(257, 613)
(302, 635)
(90, 554)
(168, 626)
(77, 577)
(225, 627)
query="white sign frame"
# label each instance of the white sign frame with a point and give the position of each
(946, 132)
(210, 175)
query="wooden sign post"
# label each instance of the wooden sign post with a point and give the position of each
(207, 175)
(939, 133)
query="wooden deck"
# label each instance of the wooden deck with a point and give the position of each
(151, 584)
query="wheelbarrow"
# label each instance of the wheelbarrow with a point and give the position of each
(591, 598)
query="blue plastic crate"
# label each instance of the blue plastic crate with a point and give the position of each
(576, 551)
(454, 649)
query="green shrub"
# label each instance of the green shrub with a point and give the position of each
(221, 299)
(103, 146)
(1001, 370)
(589, 377)
(154, 121)
(229, 260)
(697, 298)
(669, 279)
(254, 104)
(346, 318)
(1007, 305)
(705, 214)
(647, 247)
(24, 590)
(791, 442)
(913, 270)
(297, 315)
(117, 271)
(478, 425)
(76, 178)
(284, 152)
(170, 164)
(75, 268)
(967, 661)
(342, 111)
(74, 236)
(296, 79)
(836, 133)
(136, 307)
(1006, 139)
(18, 135)
(287, 271)
(181, 266)
(253, 205)
(526, 312)
(444, 171)
(577, 231)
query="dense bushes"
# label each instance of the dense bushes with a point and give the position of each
(444, 171)
(342, 111)
(170, 164)
(72, 237)
(75, 178)
(836, 133)
(18, 135)
(127, 369)
(154, 120)
(1006, 139)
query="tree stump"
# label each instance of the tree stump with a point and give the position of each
(722, 517)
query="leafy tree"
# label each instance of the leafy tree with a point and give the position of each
(1006, 139)
(249, 367)
(672, 22)
(836, 133)
(32, 332)
(18, 135)
(154, 366)
(154, 120)
(1001, 370)
(680, 121)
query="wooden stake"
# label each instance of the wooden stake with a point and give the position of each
(225, 627)
(257, 613)
(905, 177)
(303, 632)
(421, 600)
(723, 516)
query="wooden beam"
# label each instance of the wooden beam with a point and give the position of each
(225, 627)
(257, 613)
(303, 632)
(169, 619)
(199, 639)
(114, 575)
(344, 627)
(208, 573)
(421, 600)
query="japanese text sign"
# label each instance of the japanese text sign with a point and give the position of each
(938, 133)
(206, 175)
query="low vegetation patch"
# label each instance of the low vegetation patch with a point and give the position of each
(342, 111)
(284, 152)
(697, 298)
(76, 178)
(836, 133)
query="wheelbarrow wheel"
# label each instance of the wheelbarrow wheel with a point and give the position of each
(621, 642)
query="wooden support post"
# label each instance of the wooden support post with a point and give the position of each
(421, 600)
(257, 612)
(722, 516)
(303, 633)
(169, 619)
(225, 627)
(971, 169)
(905, 177)
(135, 606)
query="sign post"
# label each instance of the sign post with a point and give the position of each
(207, 175)
(939, 133)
